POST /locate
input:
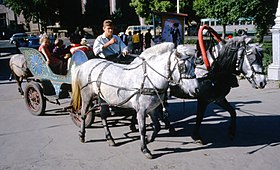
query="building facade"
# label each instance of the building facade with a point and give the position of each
(79, 13)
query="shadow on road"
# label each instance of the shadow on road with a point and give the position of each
(260, 129)
(252, 130)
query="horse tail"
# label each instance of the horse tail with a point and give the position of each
(12, 67)
(76, 91)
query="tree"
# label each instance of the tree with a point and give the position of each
(228, 11)
(144, 8)
(47, 12)
(265, 16)
(43, 11)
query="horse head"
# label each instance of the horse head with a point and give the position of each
(177, 65)
(249, 62)
(183, 68)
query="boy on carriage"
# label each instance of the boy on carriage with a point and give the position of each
(110, 46)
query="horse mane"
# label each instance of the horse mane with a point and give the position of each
(187, 50)
(227, 57)
(157, 50)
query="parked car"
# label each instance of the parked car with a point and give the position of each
(33, 42)
(18, 38)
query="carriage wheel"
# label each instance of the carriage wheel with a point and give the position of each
(34, 99)
(76, 118)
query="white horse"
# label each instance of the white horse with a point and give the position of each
(140, 85)
(19, 70)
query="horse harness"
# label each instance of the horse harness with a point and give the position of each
(142, 90)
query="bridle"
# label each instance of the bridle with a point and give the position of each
(244, 52)
(180, 64)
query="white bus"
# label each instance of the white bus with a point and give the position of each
(143, 29)
(239, 26)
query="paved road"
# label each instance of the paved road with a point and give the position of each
(51, 142)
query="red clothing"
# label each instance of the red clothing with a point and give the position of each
(76, 47)
(55, 64)
(52, 59)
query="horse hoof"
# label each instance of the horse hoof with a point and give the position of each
(147, 154)
(172, 130)
(198, 140)
(82, 140)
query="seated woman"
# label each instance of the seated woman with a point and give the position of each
(54, 63)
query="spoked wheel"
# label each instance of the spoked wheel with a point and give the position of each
(76, 118)
(34, 99)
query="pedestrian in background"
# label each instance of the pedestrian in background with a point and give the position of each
(148, 39)
(136, 43)
(175, 34)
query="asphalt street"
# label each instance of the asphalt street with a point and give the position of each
(51, 142)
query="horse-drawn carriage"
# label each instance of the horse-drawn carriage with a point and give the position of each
(46, 86)
(146, 80)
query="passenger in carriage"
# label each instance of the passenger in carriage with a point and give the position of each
(110, 46)
(61, 53)
(85, 43)
(75, 40)
(54, 63)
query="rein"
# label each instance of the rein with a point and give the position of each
(142, 90)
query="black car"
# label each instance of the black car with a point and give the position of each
(18, 39)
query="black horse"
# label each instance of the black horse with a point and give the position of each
(234, 58)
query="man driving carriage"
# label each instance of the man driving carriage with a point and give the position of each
(110, 46)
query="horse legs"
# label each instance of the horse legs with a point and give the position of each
(133, 122)
(201, 107)
(156, 124)
(84, 110)
(225, 105)
(104, 114)
(142, 130)
(11, 77)
(19, 81)
(164, 118)
(86, 103)
(82, 132)
(19, 85)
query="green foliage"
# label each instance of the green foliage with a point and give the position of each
(43, 10)
(230, 10)
(144, 7)
(267, 55)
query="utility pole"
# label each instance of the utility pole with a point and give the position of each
(274, 68)
(113, 6)
(178, 7)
